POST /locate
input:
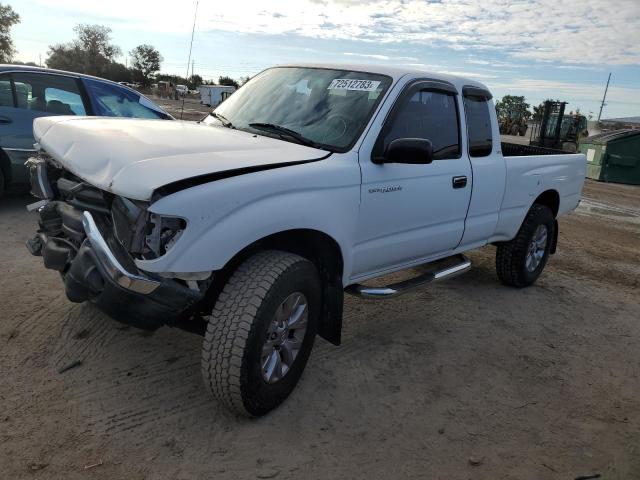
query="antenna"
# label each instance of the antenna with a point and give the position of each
(604, 97)
(193, 29)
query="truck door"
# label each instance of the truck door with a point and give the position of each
(411, 212)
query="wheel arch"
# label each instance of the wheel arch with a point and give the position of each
(551, 200)
(318, 247)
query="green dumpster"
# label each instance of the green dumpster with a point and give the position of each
(613, 156)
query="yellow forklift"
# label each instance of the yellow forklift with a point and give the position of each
(559, 130)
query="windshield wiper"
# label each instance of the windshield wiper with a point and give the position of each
(225, 121)
(272, 127)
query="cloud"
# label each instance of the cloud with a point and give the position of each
(379, 57)
(580, 32)
(363, 55)
(576, 67)
(574, 32)
(496, 63)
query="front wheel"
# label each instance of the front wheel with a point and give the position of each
(261, 332)
(520, 261)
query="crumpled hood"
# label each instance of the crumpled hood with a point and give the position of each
(134, 157)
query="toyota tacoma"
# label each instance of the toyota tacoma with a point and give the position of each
(308, 182)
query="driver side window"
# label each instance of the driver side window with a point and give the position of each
(428, 115)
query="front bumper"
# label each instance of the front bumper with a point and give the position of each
(117, 273)
(95, 268)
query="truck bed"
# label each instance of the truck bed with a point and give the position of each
(519, 150)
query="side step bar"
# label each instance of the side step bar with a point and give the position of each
(461, 265)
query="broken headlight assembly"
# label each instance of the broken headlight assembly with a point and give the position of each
(164, 233)
(144, 234)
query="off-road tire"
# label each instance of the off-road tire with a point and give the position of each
(3, 185)
(511, 256)
(238, 325)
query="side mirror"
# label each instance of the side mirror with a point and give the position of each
(409, 150)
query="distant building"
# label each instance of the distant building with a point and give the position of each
(214, 95)
(621, 123)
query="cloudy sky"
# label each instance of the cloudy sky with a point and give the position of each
(538, 48)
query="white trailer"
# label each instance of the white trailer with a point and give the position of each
(214, 95)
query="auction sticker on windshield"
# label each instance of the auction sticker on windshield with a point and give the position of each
(351, 84)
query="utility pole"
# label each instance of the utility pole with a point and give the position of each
(193, 63)
(193, 29)
(40, 59)
(604, 97)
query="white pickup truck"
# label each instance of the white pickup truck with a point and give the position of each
(307, 182)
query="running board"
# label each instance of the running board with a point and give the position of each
(462, 265)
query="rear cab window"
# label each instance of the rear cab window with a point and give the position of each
(476, 107)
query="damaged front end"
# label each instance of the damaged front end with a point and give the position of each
(93, 237)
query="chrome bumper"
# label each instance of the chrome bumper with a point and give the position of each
(130, 281)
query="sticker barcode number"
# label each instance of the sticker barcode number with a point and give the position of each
(352, 84)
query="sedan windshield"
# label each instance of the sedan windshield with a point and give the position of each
(312, 106)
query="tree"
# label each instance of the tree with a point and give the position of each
(117, 72)
(176, 79)
(91, 53)
(145, 62)
(228, 81)
(538, 111)
(243, 80)
(28, 64)
(513, 107)
(8, 18)
(195, 81)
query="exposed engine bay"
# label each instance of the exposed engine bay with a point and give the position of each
(93, 237)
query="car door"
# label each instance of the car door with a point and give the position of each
(15, 145)
(411, 212)
(35, 95)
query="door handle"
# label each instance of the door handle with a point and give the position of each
(459, 182)
(5, 120)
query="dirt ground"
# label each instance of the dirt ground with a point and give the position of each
(190, 109)
(467, 379)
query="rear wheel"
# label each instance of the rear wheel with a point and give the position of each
(520, 261)
(261, 332)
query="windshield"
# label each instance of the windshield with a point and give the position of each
(327, 108)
